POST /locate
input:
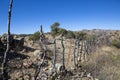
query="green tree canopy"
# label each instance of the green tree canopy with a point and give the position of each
(70, 34)
(55, 28)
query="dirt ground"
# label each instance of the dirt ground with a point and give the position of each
(23, 64)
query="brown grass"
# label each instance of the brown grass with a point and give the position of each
(104, 64)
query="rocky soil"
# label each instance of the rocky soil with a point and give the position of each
(21, 65)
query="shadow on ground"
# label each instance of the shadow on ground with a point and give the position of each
(12, 56)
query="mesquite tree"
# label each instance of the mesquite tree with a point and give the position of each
(8, 40)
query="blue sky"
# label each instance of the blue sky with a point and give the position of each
(28, 15)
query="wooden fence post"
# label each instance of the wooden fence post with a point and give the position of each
(78, 51)
(44, 52)
(63, 53)
(54, 60)
(69, 54)
(74, 56)
(81, 50)
(4, 73)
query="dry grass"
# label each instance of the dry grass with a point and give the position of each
(104, 64)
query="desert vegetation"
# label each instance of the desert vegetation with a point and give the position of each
(84, 56)
(60, 54)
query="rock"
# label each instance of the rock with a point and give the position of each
(96, 79)
(44, 76)
(27, 64)
(82, 74)
(45, 69)
(57, 67)
(85, 78)
(26, 77)
(38, 53)
(72, 68)
(89, 76)
(24, 50)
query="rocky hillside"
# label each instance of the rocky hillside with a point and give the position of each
(101, 63)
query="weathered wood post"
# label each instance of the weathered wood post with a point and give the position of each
(87, 46)
(54, 72)
(63, 53)
(81, 50)
(74, 55)
(69, 54)
(44, 51)
(78, 51)
(41, 33)
(54, 60)
(8, 45)
(85, 50)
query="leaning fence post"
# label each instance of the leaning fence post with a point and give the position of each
(44, 51)
(8, 45)
(63, 53)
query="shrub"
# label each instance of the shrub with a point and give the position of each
(70, 35)
(116, 43)
(104, 66)
(62, 30)
(35, 36)
(81, 35)
(55, 28)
